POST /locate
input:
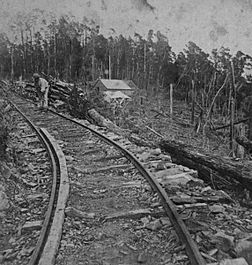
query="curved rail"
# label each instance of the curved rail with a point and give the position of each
(48, 242)
(191, 248)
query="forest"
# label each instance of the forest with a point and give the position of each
(73, 51)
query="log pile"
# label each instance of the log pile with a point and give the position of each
(57, 91)
(207, 164)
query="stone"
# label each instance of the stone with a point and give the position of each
(37, 196)
(216, 208)
(5, 170)
(161, 166)
(165, 221)
(142, 258)
(223, 241)
(238, 261)
(69, 158)
(38, 150)
(145, 220)
(177, 179)
(143, 157)
(206, 189)
(165, 157)
(244, 249)
(27, 251)
(30, 226)
(4, 202)
(168, 172)
(154, 225)
(101, 236)
(156, 152)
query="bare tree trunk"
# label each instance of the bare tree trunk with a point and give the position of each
(93, 67)
(12, 62)
(24, 52)
(193, 102)
(117, 72)
(109, 66)
(232, 108)
(48, 58)
(250, 123)
(171, 100)
(31, 40)
(133, 69)
(70, 60)
(48, 62)
(55, 55)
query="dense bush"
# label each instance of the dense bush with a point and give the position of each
(3, 131)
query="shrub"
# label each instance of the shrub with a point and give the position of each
(4, 132)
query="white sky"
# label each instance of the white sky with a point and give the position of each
(209, 23)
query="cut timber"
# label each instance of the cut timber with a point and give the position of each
(246, 143)
(105, 169)
(113, 157)
(101, 121)
(114, 167)
(185, 155)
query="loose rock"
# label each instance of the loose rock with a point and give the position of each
(142, 258)
(155, 225)
(244, 249)
(29, 226)
(4, 202)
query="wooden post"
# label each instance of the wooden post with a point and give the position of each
(109, 66)
(193, 102)
(93, 67)
(232, 108)
(12, 62)
(171, 99)
(232, 124)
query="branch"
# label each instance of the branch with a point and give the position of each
(228, 125)
(218, 92)
(215, 97)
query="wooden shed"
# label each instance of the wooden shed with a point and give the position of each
(114, 85)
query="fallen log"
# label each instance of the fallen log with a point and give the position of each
(103, 122)
(241, 172)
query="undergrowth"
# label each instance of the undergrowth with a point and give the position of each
(4, 130)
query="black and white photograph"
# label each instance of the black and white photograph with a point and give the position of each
(126, 132)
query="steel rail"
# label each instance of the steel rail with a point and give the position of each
(53, 196)
(191, 248)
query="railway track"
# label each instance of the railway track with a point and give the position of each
(117, 212)
(110, 189)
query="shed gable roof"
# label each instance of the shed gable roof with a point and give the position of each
(115, 84)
